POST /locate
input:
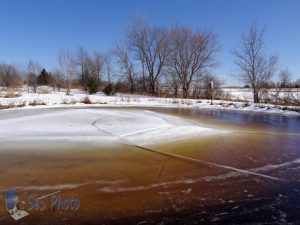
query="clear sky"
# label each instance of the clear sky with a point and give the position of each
(38, 29)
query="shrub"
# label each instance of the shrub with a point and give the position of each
(109, 90)
(92, 85)
(43, 78)
(44, 91)
(4, 107)
(11, 95)
(36, 102)
(87, 100)
(67, 101)
(246, 104)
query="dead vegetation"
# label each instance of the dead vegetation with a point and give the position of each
(86, 100)
(11, 94)
(36, 102)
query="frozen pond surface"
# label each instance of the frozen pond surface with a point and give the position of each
(104, 126)
(154, 165)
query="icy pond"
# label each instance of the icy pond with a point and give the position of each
(153, 165)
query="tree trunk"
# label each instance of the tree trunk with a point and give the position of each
(185, 89)
(185, 92)
(131, 86)
(152, 89)
(255, 96)
(152, 86)
(175, 91)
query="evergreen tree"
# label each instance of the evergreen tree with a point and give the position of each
(43, 78)
(109, 90)
(92, 85)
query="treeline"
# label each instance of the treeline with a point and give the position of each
(149, 60)
(173, 61)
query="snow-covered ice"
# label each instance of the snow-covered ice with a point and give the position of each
(139, 127)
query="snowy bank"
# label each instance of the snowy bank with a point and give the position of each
(55, 99)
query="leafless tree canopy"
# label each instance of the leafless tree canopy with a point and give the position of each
(81, 58)
(151, 48)
(164, 61)
(33, 69)
(108, 66)
(205, 91)
(256, 68)
(126, 63)
(99, 61)
(9, 76)
(285, 78)
(192, 52)
(67, 69)
(174, 83)
(89, 67)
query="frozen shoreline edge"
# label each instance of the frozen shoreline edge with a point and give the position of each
(257, 109)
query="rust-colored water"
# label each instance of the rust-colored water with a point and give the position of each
(121, 184)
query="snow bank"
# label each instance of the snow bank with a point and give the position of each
(55, 99)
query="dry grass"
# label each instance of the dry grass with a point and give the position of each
(294, 109)
(72, 101)
(6, 107)
(36, 102)
(246, 104)
(10, 106)
(44, 91)
(86, 100)
(11, 94)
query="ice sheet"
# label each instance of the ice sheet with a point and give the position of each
(139, 127)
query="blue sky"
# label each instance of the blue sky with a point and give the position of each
(38, 29)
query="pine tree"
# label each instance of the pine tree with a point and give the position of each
(43, 78)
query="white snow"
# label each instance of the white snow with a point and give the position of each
(60, 99)
(102, 126)
(245, 94)
(48, 98)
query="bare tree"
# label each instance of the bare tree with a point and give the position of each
(81, 58)
(285, 78)
(256, 68)
(297, 83)
(33, 69)
(90, 68)
(125, 61)
(192, 54)
(67, 69)
(286, 93)
(1, 78)
(9, 76)
(151, 48)
(56, 80)
(99, 61)
(204, 90)
(143, 78)
(108, 66)
(93, 70)
(174, 83)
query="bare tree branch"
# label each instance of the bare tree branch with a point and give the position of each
(256, 68)
(192, 53)
(67, 69)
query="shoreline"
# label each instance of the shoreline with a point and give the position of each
(260, 108)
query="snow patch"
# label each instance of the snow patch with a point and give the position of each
(100, 126)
